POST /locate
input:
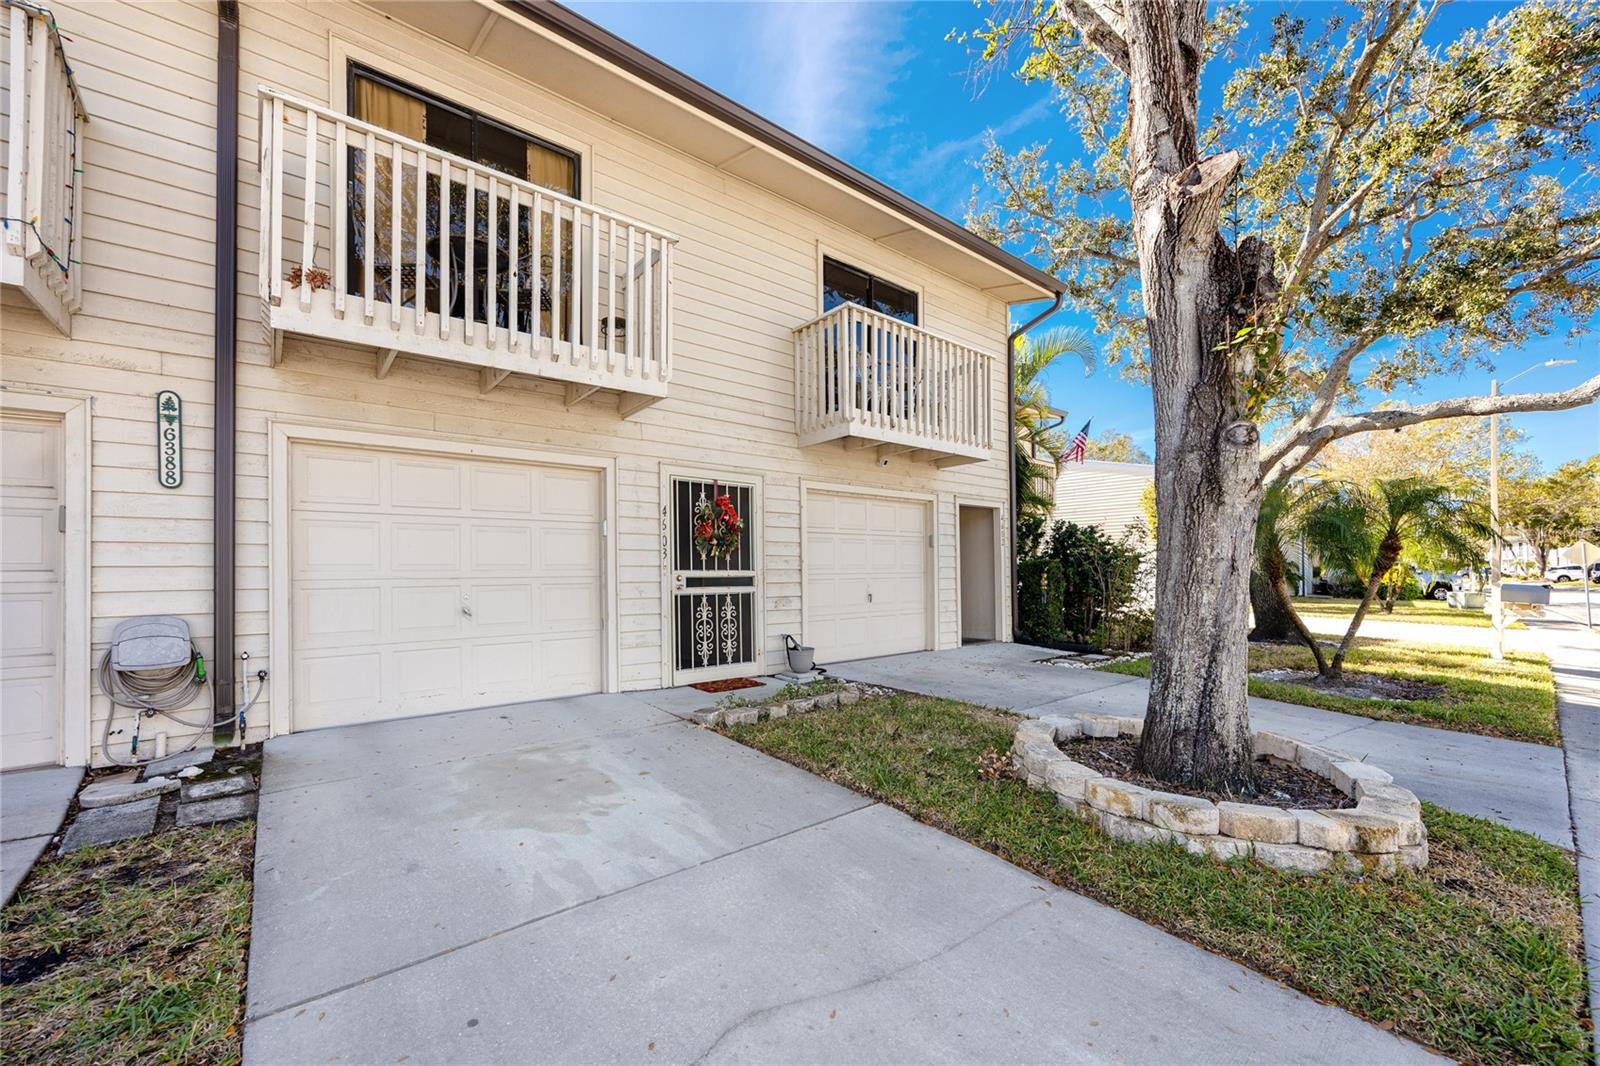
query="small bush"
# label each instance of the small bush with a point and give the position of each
(1040, 598)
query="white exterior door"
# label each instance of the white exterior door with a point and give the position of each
(716, 599)
(867, 571)
(31, 594)
(428, 583)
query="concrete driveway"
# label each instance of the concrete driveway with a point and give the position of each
(596, 880)
(1520, 784)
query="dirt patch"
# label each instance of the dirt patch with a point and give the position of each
(1358, 685)
(1278, 784)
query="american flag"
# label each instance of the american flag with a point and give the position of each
(1080, 445)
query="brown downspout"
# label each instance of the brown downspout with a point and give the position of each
(1011, 446)
(224, 401)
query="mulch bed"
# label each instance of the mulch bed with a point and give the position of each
(1361, 686)
(1278, 784)
(729, 684)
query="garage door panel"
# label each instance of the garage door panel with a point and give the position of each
(416, 483)
(341, 614)
(462, 582)
(344, 478)
(502, 549)
(867, 575)
(346, 548)
(425, 546)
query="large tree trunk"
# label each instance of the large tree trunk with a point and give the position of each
(1198, 292)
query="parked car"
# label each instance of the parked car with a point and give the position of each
(1434, 585)
(1561, 575)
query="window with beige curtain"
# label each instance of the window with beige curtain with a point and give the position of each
(406, 115)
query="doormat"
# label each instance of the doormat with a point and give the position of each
(727, 684)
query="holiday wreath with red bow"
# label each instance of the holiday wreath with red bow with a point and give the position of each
(717, 526)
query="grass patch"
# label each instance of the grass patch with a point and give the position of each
(130, 953)
(1480, 955)
(1514, 697)
(1433, 612)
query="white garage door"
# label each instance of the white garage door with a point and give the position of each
(866, 575)
(425, 583)
(30, 592)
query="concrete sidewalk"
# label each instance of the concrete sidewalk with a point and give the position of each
(1575, 657)
(32, 805)
(1513, 782)
(595, 880)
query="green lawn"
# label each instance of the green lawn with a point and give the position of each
(130, 953)
(1434, 612)
(1479, 955)
(1514, 697)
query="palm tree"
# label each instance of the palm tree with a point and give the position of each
(1037, 422)
(1283, 514)
(1364, 531)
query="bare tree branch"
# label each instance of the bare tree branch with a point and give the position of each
(1283, 459)
(1100, 25)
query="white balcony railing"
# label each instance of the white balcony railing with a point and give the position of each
(43, 242)
(371, 238)
(867, 377)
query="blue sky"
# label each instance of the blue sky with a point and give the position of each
(878, 85)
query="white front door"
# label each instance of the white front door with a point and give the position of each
(867, 572)
(31, 596)
(425, 583)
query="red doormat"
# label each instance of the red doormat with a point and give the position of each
(727, 684)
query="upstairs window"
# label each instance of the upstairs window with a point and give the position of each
(845, 284)
(460, 132)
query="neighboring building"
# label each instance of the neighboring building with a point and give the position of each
(1099, 493)
(467, 459)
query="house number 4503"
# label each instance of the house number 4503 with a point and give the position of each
(169, 439)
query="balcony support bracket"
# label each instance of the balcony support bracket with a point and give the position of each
(386, 362)
(576, 393)
(489, 377)
(630, 404)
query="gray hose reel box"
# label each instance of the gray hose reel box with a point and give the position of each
(153, 642)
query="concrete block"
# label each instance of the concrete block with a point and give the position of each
(1381, 865)
(1372, 833)
(1116, 797)
(1067, 779)
(802, 706)
(1276, 745)
(1251, 821)
(777, 710)
(1345, 774)
(107, 825)
(117, 790)
(827, 701)
(1220, 848)
(1318, 760)
(1078, 808)
(1133, 830)
(232, 785)
(1295, 858)
(1186, 814)
(1392, 797)
(1130, 727)
(1413, 856)
(1032, 733)
(1102, 726)
(742, 716)
(221, 809)
(1037, 757)
(707, 716)
(850, 694)
(1063, 728)
(1317, 830)
(173, 763)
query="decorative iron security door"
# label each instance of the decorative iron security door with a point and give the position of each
(714, 580)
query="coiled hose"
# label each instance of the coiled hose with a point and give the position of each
(154, 692)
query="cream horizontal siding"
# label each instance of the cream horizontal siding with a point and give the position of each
(1108, 495)
(745, 274)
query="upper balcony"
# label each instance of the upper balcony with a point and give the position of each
(367, 238)
(43, 244)
(873, 380)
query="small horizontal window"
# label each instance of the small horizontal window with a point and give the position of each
(845, 284)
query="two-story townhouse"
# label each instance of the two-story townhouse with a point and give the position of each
(506, 307)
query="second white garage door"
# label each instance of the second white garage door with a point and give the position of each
(426, 583)
(867, 575)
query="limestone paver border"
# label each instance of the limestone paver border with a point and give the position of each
(1382, 833)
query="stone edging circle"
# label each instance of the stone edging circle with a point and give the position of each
(1381, 834)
